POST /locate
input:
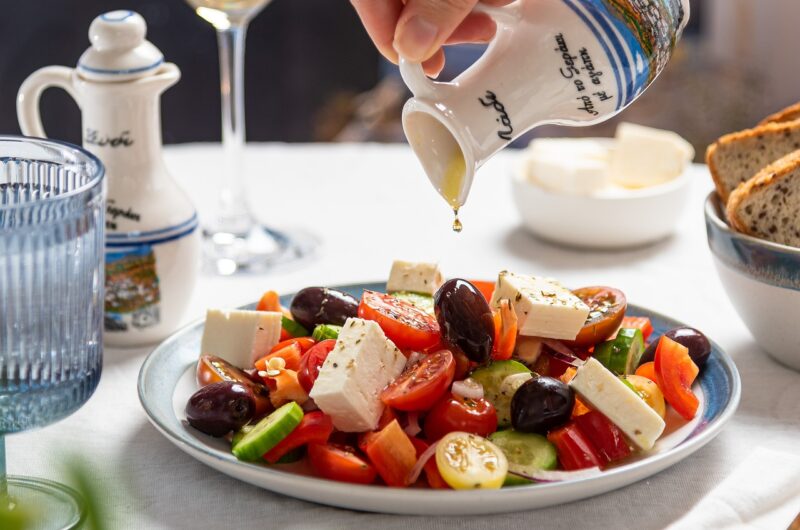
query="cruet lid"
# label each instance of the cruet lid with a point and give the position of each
(119, 50)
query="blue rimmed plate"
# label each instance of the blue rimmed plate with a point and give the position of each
(166, 381)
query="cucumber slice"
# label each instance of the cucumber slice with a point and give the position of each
(293, 328)
(238, 435)
(524, 451)
(326, 331)
(268, 432)
(418, 300)
(621, 355)
(491, 377)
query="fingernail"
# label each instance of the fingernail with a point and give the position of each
(415, 39)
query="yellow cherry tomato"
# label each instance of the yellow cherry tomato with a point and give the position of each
(468, 461)
(649, 392)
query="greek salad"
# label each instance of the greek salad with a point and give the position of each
(446, 384)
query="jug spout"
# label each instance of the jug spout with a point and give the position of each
(164, 77)
(447, 155)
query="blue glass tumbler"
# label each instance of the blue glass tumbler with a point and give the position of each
(52, 208)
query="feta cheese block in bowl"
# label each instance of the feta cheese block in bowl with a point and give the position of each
(604, 192)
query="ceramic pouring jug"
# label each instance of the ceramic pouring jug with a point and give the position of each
(152, 240)
(567, 62)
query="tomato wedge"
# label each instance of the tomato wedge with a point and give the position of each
(421, 385)
(311, 361)
(391, 452)
(606, 311)
(340, 463)
(604, 435)
(406, 325)
(575, 451)
(505, 331)
(305, 343)
(675, 372)
(315, 427)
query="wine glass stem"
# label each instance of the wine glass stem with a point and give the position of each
(234, 216)
(3, 476)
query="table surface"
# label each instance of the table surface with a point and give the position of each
(370, 204)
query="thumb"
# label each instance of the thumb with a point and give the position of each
(425, 25)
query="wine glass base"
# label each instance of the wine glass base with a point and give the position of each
(41, 504)
(260, 249)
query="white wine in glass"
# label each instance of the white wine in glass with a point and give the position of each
(234, 240)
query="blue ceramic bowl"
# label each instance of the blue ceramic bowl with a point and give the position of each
(762, 280)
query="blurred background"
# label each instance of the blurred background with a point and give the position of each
(313, 75)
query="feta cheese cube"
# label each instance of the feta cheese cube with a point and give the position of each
(644, 156)
(361, 364)
(603, 391)
(425, 278)
(544, 307)
(240, 337)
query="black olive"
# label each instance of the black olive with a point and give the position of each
(465, 319)
(321, 305)
(541, 404)
(220, 408)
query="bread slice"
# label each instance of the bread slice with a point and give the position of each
(737, 157)
(768, 205)
(791, 113)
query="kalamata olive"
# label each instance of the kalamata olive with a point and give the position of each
(696, 341)
(220, 408)
(320, 305)
(465, 319)
(541, 404)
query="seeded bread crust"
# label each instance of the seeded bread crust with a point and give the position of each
(791, 113)
(768, 205)
(736, 158)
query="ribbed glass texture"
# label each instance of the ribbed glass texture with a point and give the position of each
(52, 203)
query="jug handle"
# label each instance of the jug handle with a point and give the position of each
(421, 85)
(30, 120)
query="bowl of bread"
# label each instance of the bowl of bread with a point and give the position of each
(753, 226)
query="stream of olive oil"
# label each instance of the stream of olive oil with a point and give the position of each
(451, 185)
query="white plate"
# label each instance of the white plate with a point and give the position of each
(166, 381)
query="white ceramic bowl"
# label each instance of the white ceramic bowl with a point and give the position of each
(610, 219)
(762, 280)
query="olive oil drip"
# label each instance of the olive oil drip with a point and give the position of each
(451, 185)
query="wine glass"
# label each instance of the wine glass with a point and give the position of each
(52, 208)
(234, 240)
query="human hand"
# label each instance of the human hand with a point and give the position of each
(417, 29)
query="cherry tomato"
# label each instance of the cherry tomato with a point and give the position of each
(675, 372)
(315, 427)
(606, 311)
(406, 325)
(455, 413)
(211, 369)
(340, 463)
(311, 361)
(421, 385)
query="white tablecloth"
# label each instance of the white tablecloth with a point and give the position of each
(370, 204)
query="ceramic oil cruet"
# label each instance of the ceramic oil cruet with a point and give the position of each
(152, 240)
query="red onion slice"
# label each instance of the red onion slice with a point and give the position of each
(558, 351)
(426, 455)
(413, 428)
(468, 388)
(541, 475)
